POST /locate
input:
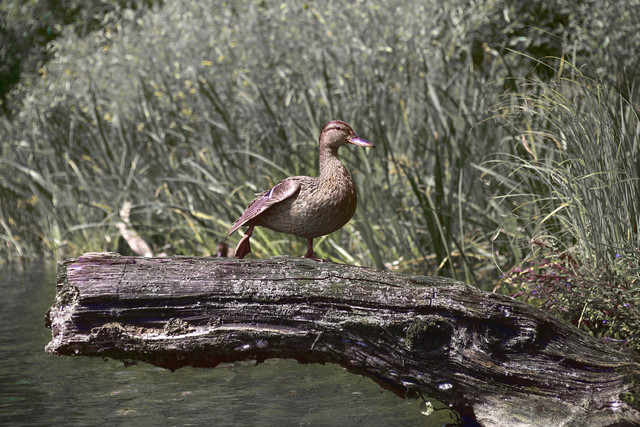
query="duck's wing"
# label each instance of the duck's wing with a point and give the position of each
(281, 191)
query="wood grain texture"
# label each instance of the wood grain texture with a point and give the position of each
(494, 359)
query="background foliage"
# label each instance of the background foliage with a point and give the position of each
(497, 124)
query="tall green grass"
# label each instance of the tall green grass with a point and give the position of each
(187, 110)
(570, 195)
(575, 181)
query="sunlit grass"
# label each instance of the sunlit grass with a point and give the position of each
(570, 196)
(188, 110)
(575, 181)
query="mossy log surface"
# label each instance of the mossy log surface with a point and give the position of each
(496, 360)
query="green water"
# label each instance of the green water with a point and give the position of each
(40, 389)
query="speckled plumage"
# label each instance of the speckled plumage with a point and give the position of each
(305, 206)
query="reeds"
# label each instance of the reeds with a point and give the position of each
(189, 109)
(575, 182)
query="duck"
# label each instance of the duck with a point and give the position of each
(305, 206)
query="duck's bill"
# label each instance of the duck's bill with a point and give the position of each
(362, 142)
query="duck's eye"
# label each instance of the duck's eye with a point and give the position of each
(338, 128)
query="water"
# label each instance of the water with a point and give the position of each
(37, 388)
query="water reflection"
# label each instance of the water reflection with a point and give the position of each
(39, 389)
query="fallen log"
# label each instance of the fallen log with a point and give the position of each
(493, 359)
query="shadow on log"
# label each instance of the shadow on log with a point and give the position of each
(493, 359)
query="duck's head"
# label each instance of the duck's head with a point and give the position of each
(337, 133)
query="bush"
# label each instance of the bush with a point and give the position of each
(26, 28)
(601, 301)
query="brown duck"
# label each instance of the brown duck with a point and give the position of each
(305, 206)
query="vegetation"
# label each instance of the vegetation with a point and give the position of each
(602, 301)
(498, 124)
(27, 26)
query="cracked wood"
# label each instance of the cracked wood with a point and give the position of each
(492, 358)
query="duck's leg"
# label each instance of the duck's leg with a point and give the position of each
(244, 247)
(309, 253)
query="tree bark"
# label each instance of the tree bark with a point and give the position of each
(495, 360)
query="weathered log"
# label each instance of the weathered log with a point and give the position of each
(492, 358)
